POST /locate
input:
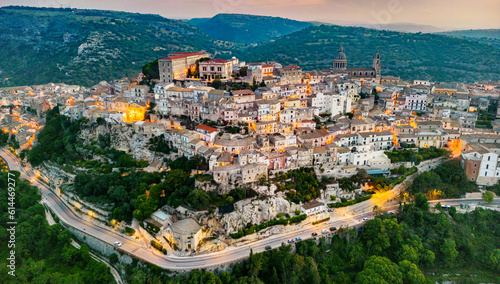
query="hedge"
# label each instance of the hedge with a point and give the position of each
(281, 221)
(348, 203)
(320, 221)
(158, 246)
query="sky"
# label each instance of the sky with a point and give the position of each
(449, 14)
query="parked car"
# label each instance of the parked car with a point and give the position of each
(314, 234)
(324, 231)
(118, 244)
(333, 229)
(365, 219)
(390, 213)
(268, 247)
(290, 241)
(298, 239)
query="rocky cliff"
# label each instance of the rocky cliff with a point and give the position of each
(121, 137)
(254, 212)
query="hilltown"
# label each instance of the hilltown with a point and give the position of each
(252, 120)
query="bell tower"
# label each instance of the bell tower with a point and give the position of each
(377, 66)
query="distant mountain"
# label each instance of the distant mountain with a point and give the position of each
(408, 55)
(489, 34)
(242, 28)
(404, 27)
(41, 45)
(197, 21)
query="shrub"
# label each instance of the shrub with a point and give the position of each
(129, 231)
(348, 203)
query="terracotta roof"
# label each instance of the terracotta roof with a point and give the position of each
(214, 61)
(178, 55)
(243, 92)
(206, 128)
(292, 67)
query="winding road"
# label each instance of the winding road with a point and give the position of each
(229, 255)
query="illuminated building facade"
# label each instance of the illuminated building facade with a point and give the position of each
(176, 65)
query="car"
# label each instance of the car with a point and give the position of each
(298, 239)
(390, 213)
(314, 234)
(268, 247)
(324, 231)
(118, 244)
(290, 241)
(333, 229)
(365, 219)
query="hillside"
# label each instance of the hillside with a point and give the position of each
(490, 33)
(247, 28)
(490, 37)
(404, 27)
(41, 45)
(408, 55)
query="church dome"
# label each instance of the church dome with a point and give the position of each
(341, 54)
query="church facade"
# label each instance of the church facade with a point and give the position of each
(340, 66)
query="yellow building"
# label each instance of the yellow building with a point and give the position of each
(135, 112)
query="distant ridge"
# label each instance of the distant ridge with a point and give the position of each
(242, 28)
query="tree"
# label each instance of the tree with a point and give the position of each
(361, 174)
(113, 258)
(488, 197)
(198, 199)
(151, 70)
(411, 273)
(375, 237)
(421, 202)
(495, 260)
(379, 269)
(216, 84)
(449, 251)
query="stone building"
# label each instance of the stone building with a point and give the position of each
(340, 65)
(186, 234)
(176, 65)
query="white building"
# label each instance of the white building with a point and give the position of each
(416, 102)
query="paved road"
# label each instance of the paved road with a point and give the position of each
(228, 255)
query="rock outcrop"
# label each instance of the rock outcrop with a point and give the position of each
(254, 212)
(121, 137)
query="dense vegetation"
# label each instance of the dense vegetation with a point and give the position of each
(408, 155)
(448, 180)
(416, 246)
(490, 33)
(119, 189)
(248, 28)
(407, 55)
(43, 252)
(301, 185)
(138, 194)
(74, 46)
